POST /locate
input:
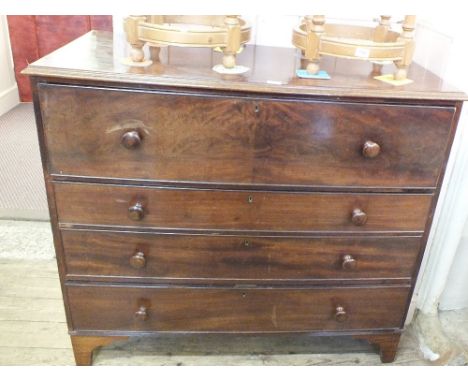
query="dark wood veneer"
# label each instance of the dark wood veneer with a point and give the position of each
(177, 208)
(234, 309)
(241, 258)
(241, 139)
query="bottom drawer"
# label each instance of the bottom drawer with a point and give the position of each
(197, 309)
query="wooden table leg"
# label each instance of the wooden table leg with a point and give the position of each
(83, 347)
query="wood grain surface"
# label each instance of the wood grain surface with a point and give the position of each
(237, 258)
(241, 309)
(174, 137)
(238, 210)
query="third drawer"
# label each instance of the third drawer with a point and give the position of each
(159, 256)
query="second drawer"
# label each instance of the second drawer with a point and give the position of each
(79, 203)
(236, 258)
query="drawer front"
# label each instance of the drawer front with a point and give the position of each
(177, 256)
(241, 140)
(235, 310)
(239, 210)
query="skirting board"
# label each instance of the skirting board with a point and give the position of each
(9, 98)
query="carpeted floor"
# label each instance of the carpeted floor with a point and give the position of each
(22, 191)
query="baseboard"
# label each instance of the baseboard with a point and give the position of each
(9, 98)
(24, 214)
(412, 309)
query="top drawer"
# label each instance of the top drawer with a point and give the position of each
(241, 140)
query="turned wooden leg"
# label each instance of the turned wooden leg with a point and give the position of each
(401, 73)
(388, 344)
(154, 53)
(376, 69)
(232, 24)
(407, 37)
(136, 53)
(229, 60)
(313, 67)
(131, 25)
(315, 28)
(83, 347)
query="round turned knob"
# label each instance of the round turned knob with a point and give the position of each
(136, 212)
(359, 217)
(340, 314)
(349, 262)
(370, 149)
(142, 313)
(138, 260)
(131, 139)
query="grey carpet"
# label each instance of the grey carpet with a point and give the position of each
(22, 189)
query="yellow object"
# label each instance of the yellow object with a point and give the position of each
(388, 78)
(315, 38)
(228, 32)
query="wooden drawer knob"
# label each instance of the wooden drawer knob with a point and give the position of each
(340, 314)
(370, 149)
(142, 313)
(136, 212)
(131, 139)
(138, 260)
(359, 217)
(349, 262)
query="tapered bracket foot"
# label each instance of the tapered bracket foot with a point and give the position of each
(83, 347)
(387, 343)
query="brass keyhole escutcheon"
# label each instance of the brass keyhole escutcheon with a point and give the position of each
(250, 199)
(142, 313)
(246, 243)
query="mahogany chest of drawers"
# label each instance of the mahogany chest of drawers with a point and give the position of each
(187, 201)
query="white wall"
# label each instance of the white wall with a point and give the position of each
(443, 282)
(455, 294)
(8, 88)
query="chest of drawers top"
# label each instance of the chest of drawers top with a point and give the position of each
(96, 57)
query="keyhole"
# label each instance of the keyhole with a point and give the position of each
(250, 199)
(246, 243)
(243, 295)
(257, 109)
